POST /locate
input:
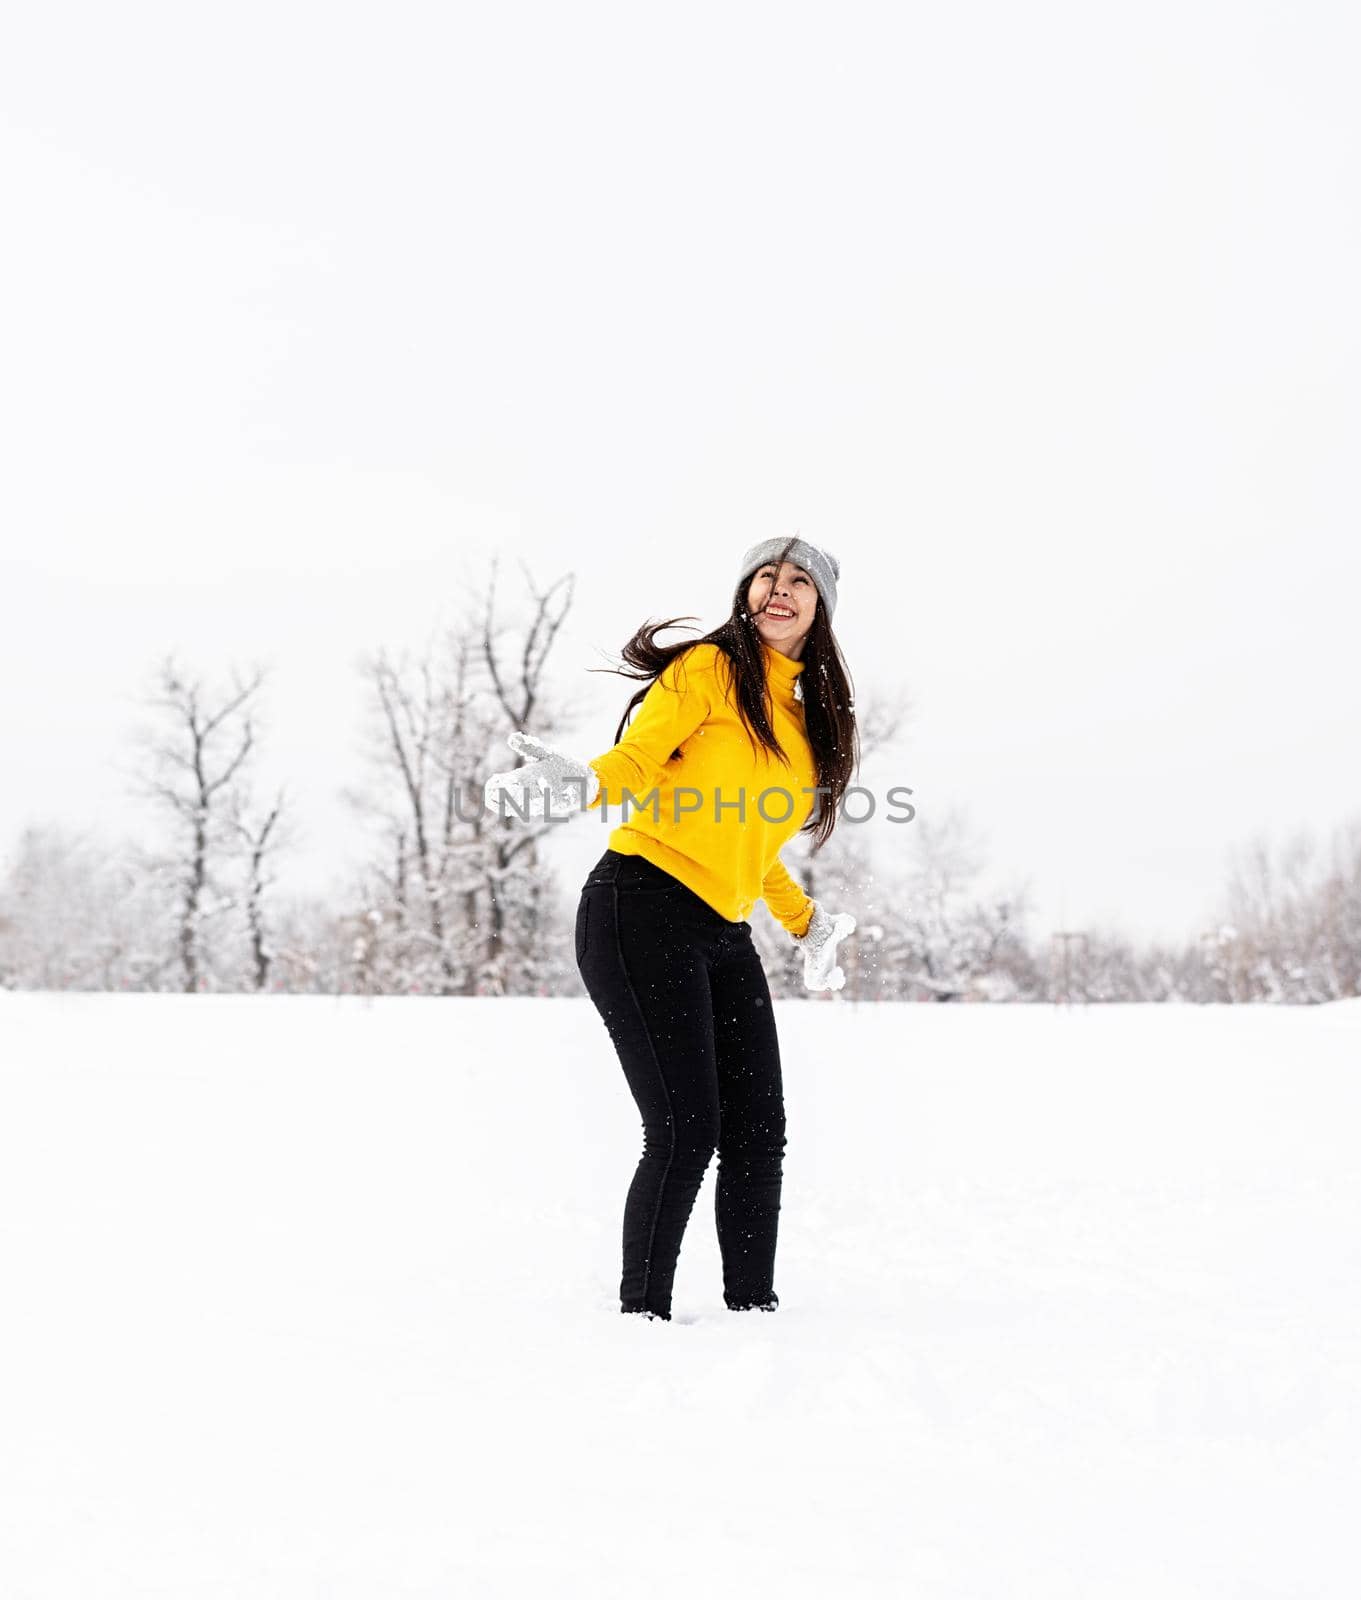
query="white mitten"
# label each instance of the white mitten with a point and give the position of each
(564, 783)
(825, 932)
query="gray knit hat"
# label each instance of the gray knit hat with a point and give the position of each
(821, 565)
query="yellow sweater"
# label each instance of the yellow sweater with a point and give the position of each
(701, 838)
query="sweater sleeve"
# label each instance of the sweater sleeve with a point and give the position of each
(789, 905)
(679, 700)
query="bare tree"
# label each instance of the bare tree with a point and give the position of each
(452, 877)
(881, 718)
(1289, 925)
(198, 755)
(518, 687)
(433, 727)
(949, 939)
(1339, 909)
(260, 836)
(414, 703)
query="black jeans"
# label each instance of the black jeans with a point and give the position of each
(685, 999)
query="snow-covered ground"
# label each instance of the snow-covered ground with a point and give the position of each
(305, 1297)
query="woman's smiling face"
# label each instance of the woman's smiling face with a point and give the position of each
(782, 602)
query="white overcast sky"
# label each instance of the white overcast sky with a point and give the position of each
(1044, 318)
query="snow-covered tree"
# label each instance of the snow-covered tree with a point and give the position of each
(80, 912)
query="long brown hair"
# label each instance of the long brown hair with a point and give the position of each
(828, 693)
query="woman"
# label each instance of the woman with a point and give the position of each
(738, 735)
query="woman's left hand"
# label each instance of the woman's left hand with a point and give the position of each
(819, 943)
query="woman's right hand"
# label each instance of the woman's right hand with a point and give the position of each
(825, 932)
(564, 783)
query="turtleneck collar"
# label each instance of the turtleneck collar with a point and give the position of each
(780, 666)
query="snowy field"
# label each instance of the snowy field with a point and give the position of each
(318, 1298)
